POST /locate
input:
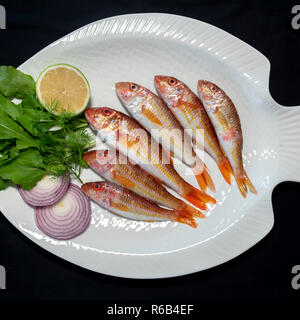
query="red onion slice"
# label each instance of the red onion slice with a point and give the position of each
(47, 191)
(67, 218)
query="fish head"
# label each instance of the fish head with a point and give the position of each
(100, 160)
(100, 191)
(170, 89)
(209, 93)
(131, 94)
(102, 118)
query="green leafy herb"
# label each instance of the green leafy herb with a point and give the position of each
(26, 169)
(4, 184)
(10, 129)
(33, 141)
(15, 84)
(65, 151)
(9, 107)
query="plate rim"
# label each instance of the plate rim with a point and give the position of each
(264, 223)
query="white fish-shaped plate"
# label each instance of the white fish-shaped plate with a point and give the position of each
(135, 48)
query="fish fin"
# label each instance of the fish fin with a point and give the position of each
(249, 184)
(198, 198)
(244, 183)
(201, 181)
(184, 217)
(242, 187)
(203, 177)
(194, 212)
(123, 181)
(208, 180)
(228, 165)
(196, 202)
(226, 169)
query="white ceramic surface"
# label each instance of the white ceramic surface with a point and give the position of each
(135, 48)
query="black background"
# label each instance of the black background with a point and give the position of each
(264, 271)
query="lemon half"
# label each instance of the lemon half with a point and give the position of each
(62, 87)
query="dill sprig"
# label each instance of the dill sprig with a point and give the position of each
(64, 138)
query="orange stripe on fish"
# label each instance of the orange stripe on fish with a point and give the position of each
(124, 181)
(150, 116)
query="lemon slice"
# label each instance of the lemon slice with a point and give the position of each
(62, 87)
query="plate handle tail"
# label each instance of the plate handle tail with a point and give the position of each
(289, 143)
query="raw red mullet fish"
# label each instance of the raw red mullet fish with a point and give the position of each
(126, 135)
(190, 112)
(114, 167)
(226, 121)
(128, 204)
(153, 114)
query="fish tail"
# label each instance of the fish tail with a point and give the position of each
(198, 198)
(203, 177)
(185, 217)
(194, 212)
(249, 184)
(226, 169)
(208, 180)
(244, 183)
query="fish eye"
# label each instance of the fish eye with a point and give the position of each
(96, 186)
(213, 88)
(133, 87)
(100, 154)
(106, 112)
(172, 81)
